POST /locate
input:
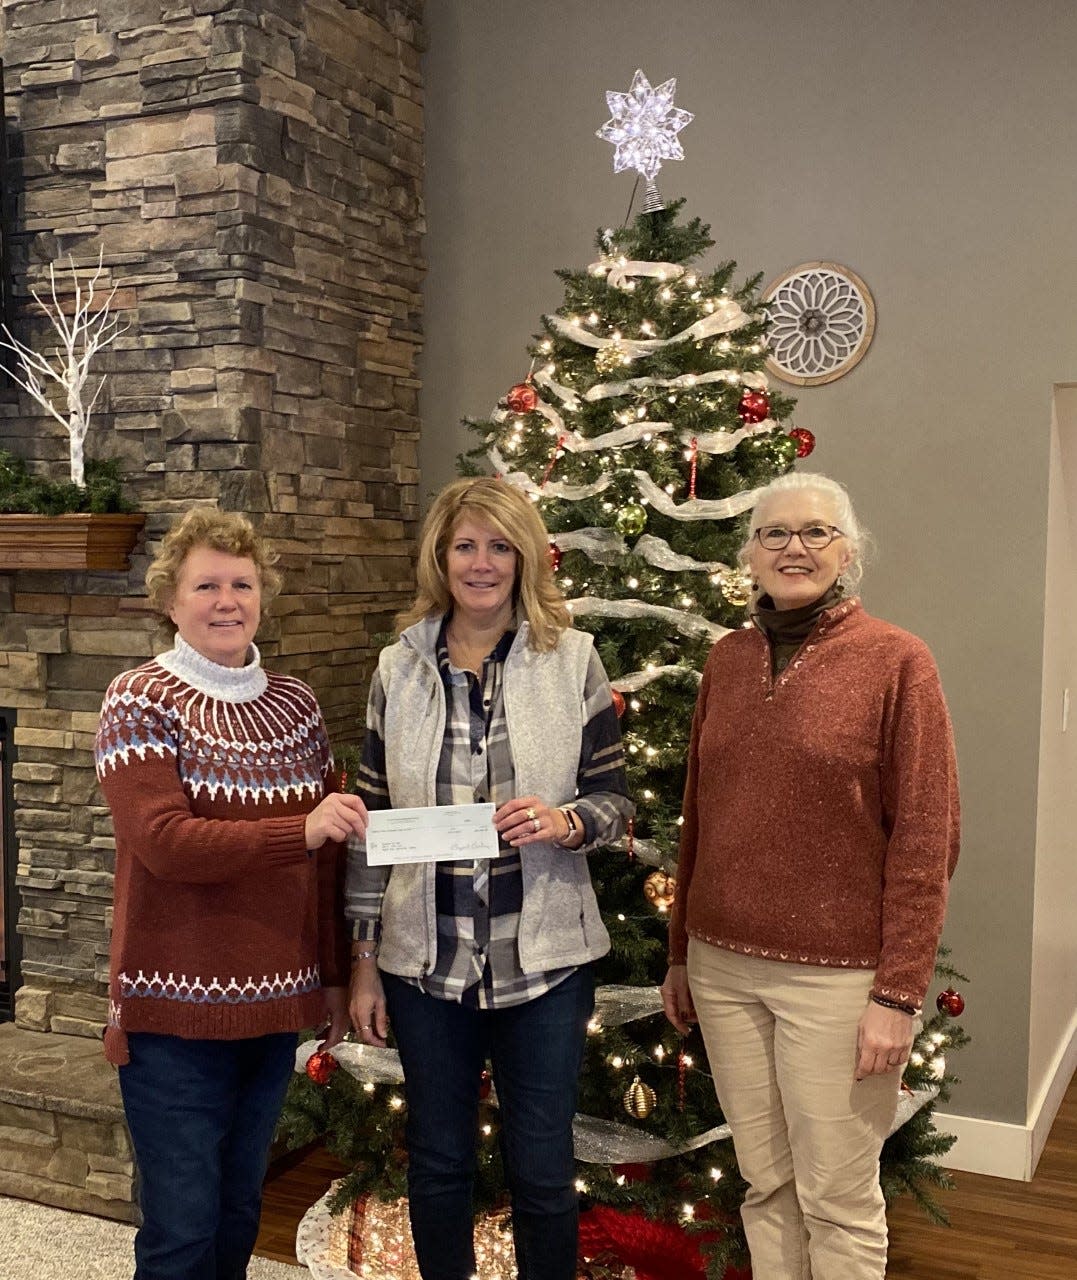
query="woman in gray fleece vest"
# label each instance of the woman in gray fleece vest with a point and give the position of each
(488, 696)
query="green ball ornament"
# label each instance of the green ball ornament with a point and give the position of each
(631, 520)
(783, 449)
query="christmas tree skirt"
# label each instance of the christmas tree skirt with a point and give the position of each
(372, 1240)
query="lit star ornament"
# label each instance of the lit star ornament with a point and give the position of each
(643, 127)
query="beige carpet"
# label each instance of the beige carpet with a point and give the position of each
(41, 1243)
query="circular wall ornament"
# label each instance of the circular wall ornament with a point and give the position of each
(822, 318)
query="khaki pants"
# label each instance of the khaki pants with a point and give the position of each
(781, 1039)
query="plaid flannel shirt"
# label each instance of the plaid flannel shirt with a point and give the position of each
(479, 900)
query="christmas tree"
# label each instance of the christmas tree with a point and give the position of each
(641, 430)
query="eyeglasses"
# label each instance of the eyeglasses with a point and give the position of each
(776, 537)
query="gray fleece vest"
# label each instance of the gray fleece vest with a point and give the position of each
(560, 924)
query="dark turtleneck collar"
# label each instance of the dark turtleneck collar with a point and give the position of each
(787, 629)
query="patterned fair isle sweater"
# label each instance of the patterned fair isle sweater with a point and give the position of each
(224, 925)
(821, 810)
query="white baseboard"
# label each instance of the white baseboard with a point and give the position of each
(987, 1146)
(1012, 1150)
(1045, 1106)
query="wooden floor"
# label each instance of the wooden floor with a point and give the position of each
(999, 1230)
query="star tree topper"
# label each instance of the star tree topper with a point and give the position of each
(643, 127)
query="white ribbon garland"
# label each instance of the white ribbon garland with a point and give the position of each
(599, 1141)
(694, 508)
(689, 624)
(619, 270)
(552, 488)
(647, 852)
(683, 382)
(910, 1102)
(636, 680)
(726, 316)
(616, 1004)
(752, 379)
(658, 552)
(719, 442)
(603, 546)
(553, 418)
(710, 442)
(566, 395)
(606, 546)
(616, 439)
(607, 1142)
(366, 1062)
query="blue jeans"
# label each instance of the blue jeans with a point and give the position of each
(202, 1115)
(536, 1050)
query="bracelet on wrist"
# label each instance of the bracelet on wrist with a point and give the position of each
(365, 953)
(575, 824)
(910, 1009)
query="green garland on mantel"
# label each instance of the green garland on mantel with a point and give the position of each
(22, 492)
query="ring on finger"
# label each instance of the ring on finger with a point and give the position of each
(531, 813)
(535, 824)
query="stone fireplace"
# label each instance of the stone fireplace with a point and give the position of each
(251, 180)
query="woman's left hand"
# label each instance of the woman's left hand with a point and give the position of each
(884, 1040)
(336, 1008)
(529, 819)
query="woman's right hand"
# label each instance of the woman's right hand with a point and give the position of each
(677, 998)
(367, 1003)
(339, 816)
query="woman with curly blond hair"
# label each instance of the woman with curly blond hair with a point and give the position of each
(489, 695)
(228, 933)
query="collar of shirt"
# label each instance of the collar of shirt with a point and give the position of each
(499, 652)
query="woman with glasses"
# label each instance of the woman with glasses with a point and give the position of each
(820, 832)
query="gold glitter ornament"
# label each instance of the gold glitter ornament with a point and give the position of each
(639, 1099)
(660, 890)
(735, 586)
(610, 358)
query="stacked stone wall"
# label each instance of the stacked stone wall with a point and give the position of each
(249, 178)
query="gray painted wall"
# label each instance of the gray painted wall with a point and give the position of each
(930, 146)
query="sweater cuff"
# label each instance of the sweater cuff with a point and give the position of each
(286, 841)
(897, 997)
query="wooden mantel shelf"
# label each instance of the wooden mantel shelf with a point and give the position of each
(73, 541)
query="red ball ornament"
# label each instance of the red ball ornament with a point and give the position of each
(554, 552)
(634, 1172)
(321, 1066)
(754, 406)
(805, 441)
(484, 1085)
(950, 1002)
(522, 398)
(618, 702)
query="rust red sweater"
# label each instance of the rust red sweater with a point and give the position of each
(224, 926)
(821, 811)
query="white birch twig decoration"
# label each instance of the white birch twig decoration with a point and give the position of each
(82, 334)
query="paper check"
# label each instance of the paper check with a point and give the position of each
(439, 834)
